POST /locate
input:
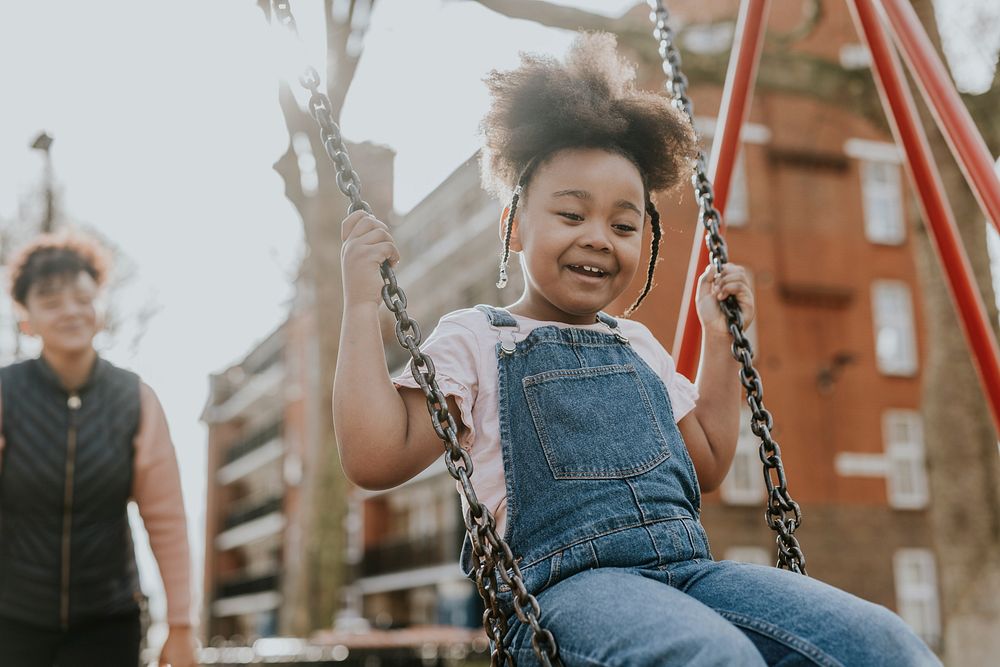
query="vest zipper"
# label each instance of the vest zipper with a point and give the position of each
(74, 403)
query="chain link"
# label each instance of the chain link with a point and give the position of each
(491, 554)
(783, 514)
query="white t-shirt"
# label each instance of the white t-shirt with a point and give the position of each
(463, 348)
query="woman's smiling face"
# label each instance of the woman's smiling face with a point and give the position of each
(62, 311)
(579, 230)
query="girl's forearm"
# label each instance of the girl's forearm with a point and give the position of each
(369, 416)
(719, 394)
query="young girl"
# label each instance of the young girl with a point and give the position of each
(80, 438)
(588, 446)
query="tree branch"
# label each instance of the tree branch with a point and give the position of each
(339, 66)
(559, 16)
(287, 165)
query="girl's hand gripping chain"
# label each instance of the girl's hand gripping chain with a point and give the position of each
(713, 288)
(367, 243)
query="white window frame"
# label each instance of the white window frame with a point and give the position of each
(738, 203)
(744, 483)
(423, 516)
(874, 155)
(755, 555)
(709, 38)
(917, 596)
(906, 466)
(882, 193)
(855, 56)
(892, 317)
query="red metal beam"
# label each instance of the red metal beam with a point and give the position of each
(905, 123)
(952, 117)
(748, 40)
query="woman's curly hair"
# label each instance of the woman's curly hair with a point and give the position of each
(589, 100)
(52, 255)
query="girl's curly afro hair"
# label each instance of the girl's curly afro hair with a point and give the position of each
(589, 100)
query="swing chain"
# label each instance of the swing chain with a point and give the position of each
(491, 554)
(783, 514)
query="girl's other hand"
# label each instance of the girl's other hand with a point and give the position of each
(366, 244)
(713, 288)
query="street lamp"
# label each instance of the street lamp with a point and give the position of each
(43, 142)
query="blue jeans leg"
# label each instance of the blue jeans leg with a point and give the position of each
(796, 620)
(610, 617)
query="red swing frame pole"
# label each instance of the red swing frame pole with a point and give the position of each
(952, 117)
(902, 115)
(748, 41)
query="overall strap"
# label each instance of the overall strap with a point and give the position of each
(498, 317)
(612, 325)
(611, 322)
(505, 326)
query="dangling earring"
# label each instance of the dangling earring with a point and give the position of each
(506, 241)
(503, 274)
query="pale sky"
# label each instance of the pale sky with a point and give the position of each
(166, 124)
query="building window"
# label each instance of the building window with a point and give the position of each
(708, 38)
(895, 339)
(423, 514)
(916, 593)
(902, 432)
(744, 485)
(855, 56)
(738, 202)
(755, 555)
(883, 202)
(738, 205)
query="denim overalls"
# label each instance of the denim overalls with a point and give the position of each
(602, 513)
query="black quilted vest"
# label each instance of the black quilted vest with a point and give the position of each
(66, 551)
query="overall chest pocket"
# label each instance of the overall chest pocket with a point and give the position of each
(595, 423)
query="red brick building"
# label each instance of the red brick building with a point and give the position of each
(259, 419)
(818, 213)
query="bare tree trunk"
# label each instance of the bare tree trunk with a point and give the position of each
(327, 495)
(319, 587)
(960, 439)
(323, 495)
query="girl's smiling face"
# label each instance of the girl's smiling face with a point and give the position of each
(578, 228)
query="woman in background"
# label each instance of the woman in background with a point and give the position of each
(81, 438)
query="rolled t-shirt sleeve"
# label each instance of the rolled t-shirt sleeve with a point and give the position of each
(454, 351)
(683, 393)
